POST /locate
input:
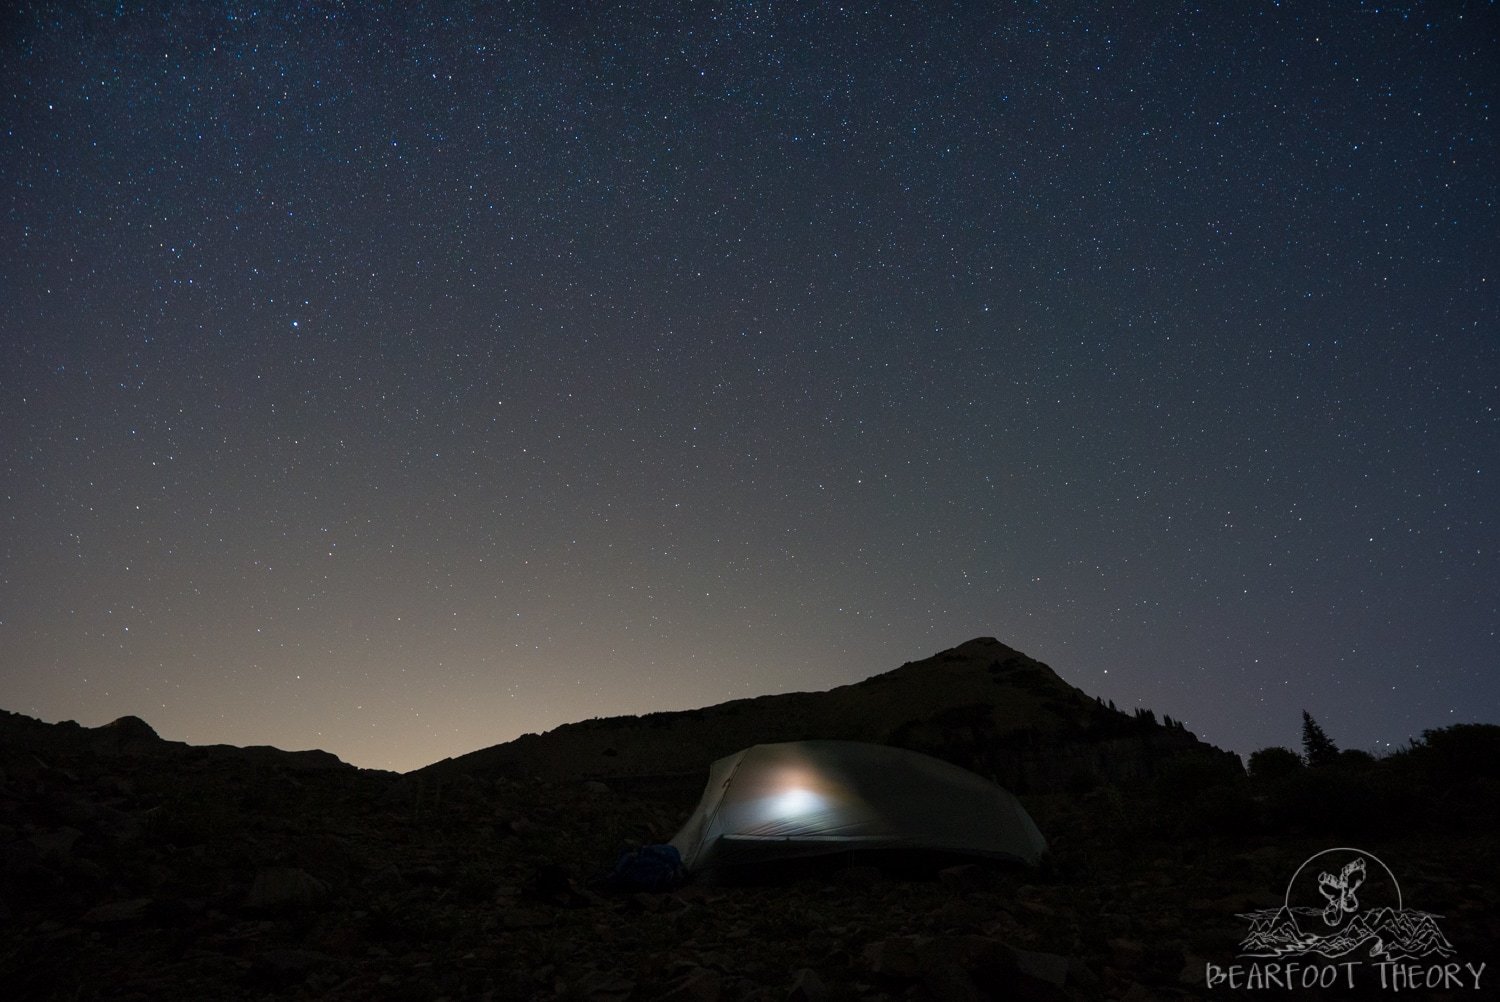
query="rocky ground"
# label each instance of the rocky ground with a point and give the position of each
(198, 875)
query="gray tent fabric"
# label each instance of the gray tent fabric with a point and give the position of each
(807, 798)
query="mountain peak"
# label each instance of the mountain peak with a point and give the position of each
(131, 727)
(128, 734)
(984, 645)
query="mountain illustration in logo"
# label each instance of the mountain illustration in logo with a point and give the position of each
(1383, 931)
(1393, 935)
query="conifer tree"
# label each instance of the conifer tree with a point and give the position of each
(1317, 747)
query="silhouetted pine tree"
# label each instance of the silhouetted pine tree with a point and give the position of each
(1317, 747)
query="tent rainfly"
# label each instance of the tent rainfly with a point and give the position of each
(778, 802)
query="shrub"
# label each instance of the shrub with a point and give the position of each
(1273, 763)
(1462, 751)
(1355, 758)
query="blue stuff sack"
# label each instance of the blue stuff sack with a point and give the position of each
(652, 868)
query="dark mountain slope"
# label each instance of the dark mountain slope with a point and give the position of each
(133, 737)
(982, 705)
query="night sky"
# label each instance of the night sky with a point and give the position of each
(397, 381)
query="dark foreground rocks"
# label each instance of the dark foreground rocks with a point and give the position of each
(135, 875)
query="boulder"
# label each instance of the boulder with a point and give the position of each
(283, 887)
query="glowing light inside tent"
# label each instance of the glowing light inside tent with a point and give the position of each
(796, 802)
(792, 801)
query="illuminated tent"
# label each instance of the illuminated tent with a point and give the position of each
(778, 802)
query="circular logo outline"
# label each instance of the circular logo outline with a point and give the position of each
(1286, 898)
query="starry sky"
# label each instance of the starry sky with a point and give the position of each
(396, 379)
